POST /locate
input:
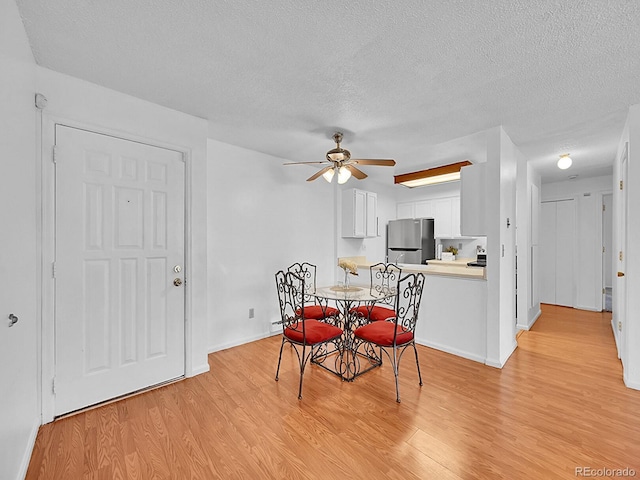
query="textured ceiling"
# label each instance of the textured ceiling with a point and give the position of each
(403, 79)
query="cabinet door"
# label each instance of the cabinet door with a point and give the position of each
(372, 215)
(455, 216)
(442, 217)
(359, 213)
(424, 209)
(472, 200)
(354, 204)
(405, 210)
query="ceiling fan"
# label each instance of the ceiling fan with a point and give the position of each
(340, 162)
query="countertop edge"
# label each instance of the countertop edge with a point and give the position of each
(465, 272)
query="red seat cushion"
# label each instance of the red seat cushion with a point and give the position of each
(375, 313)
(381, 333)
(317, 312)
(316, 332)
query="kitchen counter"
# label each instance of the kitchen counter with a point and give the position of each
(455, 268)
(453, 310)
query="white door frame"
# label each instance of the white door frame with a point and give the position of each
(46, 246)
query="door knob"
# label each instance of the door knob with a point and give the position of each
(621, 274)
(12, 319)
(177, 282)
(177, 269)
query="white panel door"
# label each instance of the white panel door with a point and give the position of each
(547, 253)
(119, 318)
(565, 247)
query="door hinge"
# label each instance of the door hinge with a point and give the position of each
(621, 185)
(602, 249)
(55, 154)
(53, 269)
(603, 291)
(620, 255)
(604, 207)
(53, 385)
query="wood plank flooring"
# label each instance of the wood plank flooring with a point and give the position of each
(558, 404)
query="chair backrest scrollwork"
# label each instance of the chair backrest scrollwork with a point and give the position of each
(410, 288)
(290, 288)
(384, 280)
(306, 272)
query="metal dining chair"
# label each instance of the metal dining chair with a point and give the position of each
(313, 308)
(384, 278)
(304, 334)
(395, 335)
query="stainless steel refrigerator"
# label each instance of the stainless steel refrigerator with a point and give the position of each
(410, 240)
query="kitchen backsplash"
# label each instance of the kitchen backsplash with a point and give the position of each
(466, 246)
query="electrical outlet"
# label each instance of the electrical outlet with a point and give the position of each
(251, 313)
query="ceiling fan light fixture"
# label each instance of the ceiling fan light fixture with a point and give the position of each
(565, 161)
(344, 174)
(431, 176)
(328, 175)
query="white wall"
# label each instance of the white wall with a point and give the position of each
(501, 170)
(263, 217)
(84, 104)
(527, 223)
(587, 248)
(19, 403)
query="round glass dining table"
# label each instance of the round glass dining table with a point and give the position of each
(345, 359)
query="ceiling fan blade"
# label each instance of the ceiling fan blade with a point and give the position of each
(304, 163)
(374, 161)
(318, 173)
(359, 174)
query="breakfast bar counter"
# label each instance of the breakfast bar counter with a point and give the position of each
(453, 310)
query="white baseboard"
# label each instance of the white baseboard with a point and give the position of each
(501, 363)
(242, 341)
(204, 368)
(588, 309)
(31, 442)
(527, 326)
(616, 333)
(629, 384)
(453, 351)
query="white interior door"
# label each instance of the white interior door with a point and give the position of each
(119, 318)
(620, 309)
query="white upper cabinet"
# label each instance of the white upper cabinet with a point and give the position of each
(406, 210)
(443, 225)
(424, 209)
(444, 211)
(359, 214)
(472, 200)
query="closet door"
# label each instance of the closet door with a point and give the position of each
(557, 244)
(565, 246)
(547, 252)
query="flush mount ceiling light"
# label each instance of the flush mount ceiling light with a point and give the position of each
(565, 161)
(432, 176)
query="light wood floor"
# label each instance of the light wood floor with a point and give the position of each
(558, 404)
